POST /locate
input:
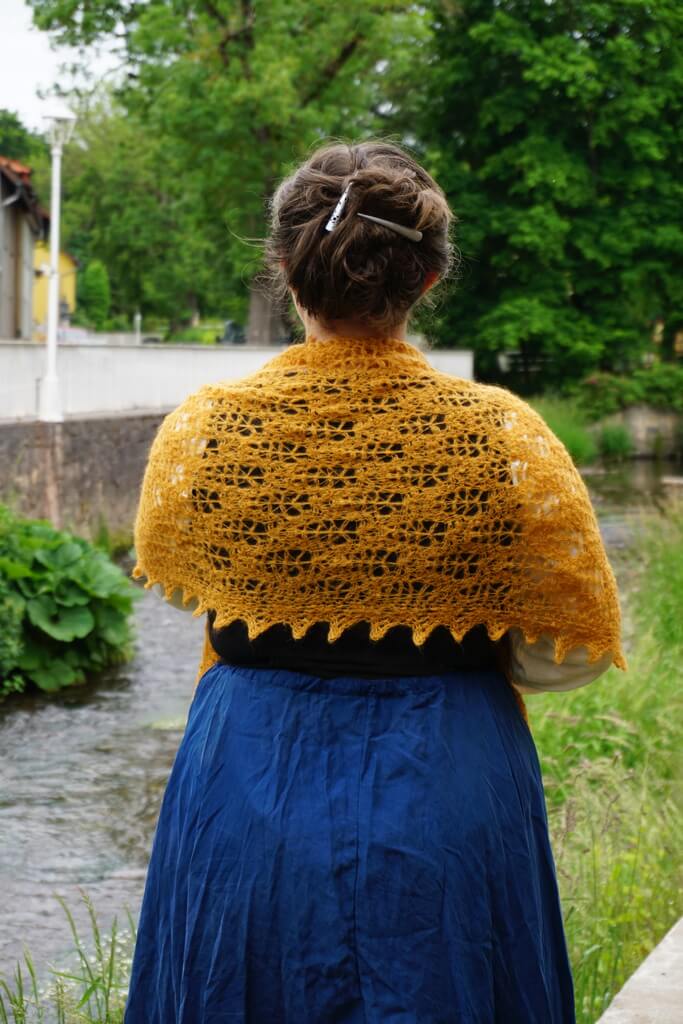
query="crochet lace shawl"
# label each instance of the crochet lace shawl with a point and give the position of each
(349, 480)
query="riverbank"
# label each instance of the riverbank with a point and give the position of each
(612, 767)
(638, 431)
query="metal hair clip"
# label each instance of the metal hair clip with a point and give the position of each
(338, 210)
(412, 233)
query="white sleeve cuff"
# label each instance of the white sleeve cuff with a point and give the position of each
(176, 598)
(533, 665)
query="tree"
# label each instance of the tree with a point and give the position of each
(239, 91)
(16, 141)
(93, 293)
(556, 130)
(127, 203)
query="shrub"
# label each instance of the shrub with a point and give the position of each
(93, 293)
(196, 335)
(660, 386)
(567, 421)
(64, 607)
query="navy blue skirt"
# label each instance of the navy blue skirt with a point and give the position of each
(350, 851)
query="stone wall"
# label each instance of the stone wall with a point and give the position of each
(654, 432)
(81, 473)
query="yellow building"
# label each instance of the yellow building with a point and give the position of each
(67, 287)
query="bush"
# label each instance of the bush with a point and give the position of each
(196, 335)
(117, 324)
(567, 421)
(660, 386)
(614, 441)
(64, 607)
(94, 296)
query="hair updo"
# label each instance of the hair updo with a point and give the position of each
(360, 272)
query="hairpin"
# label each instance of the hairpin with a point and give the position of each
(338, 210)
(411, 233)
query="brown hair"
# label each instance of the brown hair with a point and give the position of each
(361, 271)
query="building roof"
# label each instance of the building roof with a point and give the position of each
(19, 177)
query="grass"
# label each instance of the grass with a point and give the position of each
(614, 442)
(612, 764)
(93, 991)
(569, 423)
(584, 440)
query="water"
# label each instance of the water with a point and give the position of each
(82, 773)
(81, 779)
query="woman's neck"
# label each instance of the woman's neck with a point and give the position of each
(314, 329)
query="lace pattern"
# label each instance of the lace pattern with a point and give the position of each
(349, 480)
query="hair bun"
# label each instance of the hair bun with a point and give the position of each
(361, 271)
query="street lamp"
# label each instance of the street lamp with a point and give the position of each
(60, 126)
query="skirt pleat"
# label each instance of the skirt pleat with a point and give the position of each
(352, 851)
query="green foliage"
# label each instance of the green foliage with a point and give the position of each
(167, 178)
(556, 131)
(93, 293)
(93, 992)
(197, 335)
(568, 422)
(117, 323)
(63, 607)
(660, 386)
(614, 441)
(612, 764)
(17, 142)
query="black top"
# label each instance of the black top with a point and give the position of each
(353, 653)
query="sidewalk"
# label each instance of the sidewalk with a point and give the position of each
(654, 994)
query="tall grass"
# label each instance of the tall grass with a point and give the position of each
(613, 766)
(569, 423)
(93, 991)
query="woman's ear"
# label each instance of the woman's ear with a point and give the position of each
(429, 281)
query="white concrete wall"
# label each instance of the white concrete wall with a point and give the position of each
(123, 378)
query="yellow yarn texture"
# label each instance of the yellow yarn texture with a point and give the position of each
(349, 480)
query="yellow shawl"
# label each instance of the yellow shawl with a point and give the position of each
(348, 480)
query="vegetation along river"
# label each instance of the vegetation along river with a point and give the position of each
(82, 774)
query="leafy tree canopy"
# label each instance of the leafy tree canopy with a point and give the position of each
(225, 97)
(556, 130)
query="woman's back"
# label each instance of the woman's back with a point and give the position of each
(354, 829)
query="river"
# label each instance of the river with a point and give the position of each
(82, 773)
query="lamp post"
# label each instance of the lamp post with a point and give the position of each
(60, 127)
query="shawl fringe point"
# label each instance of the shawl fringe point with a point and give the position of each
(420, 632)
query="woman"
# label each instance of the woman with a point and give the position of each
(354, 828)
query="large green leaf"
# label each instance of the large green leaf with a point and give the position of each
(55, 675)
(60, 557)
(69, 593)
(98, 576)
(13, 570)
(63, 624)
(112, 626)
